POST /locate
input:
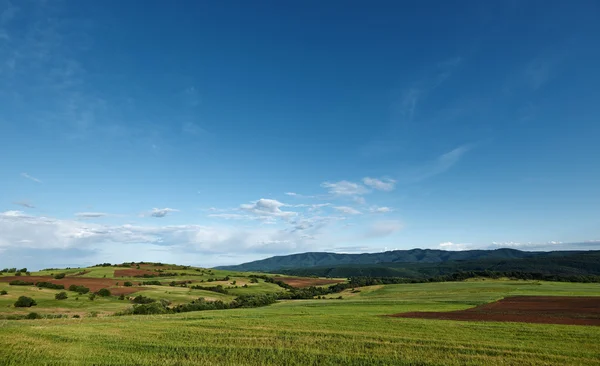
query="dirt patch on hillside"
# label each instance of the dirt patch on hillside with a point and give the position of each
(94, 284)
(526, 309)
(133, 273)
(306, 281)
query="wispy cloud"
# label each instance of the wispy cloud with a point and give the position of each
(24, 204)
(380, 209)
(438, 166)
(161, 212)
(90, 215)
(265, 207)
(385, 184)
(347, 210)
(27, 176)
(345, 188)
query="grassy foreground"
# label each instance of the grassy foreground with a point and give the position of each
(324, 332)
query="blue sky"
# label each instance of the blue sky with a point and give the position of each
(219, 132)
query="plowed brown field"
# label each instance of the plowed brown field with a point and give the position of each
(94, 284)
(133, 272)
(526, 309)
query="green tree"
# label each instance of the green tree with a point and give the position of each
(25, 302)
(61, 296)
(103, 292)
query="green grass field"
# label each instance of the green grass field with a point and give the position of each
(350, 331)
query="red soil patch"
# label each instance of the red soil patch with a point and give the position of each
(133, 273)
(94, 284)
(526, 309)
(306, 281)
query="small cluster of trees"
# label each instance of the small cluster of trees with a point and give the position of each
(79, 289)
(50, 285)
(20, 283)
(25, 302)
(201, 304)
(13, 270)
(217, 288)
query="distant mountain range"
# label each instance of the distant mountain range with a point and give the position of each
(417, 263)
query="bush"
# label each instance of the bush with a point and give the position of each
(22, 270)
(151, 283)
(50, 285)
(76, 316)
(18, 274)
(20, 283)
(128, 284)
(147, 309)
(61, 296)
(59, 276)
(103, 292)
(3, 292)
(92, 297)
(79, 289)
(33, 316)
(142, 300)
(122, 297)
(25, 302)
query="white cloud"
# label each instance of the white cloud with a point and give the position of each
(380, 209)
(265, 207)
(385, 184)
(291, 194)
(27, 176)
(161, 212)
(347, 210)
(90, 215)
(232, 216)
(345, 188)
(454, 246)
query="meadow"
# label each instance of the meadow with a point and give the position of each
(353, 330)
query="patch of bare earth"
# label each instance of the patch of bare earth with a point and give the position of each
(94, 284)
(526, 309)
(133, 273)
(306, 281)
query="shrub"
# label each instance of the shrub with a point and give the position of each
(128, 284)
(92, 297)
(253, 280)
(18, 274)
(93, 314)
(59, 276)
(103, 292)
(50, 285)
(151, 283)
(20, 283)
(146, 309)
(33, 315)
(79, 289)
(122, 297)
(3, 292)
(25, 302)
(61, 296)
(140, 299)
(22, 270)
(76, 316)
